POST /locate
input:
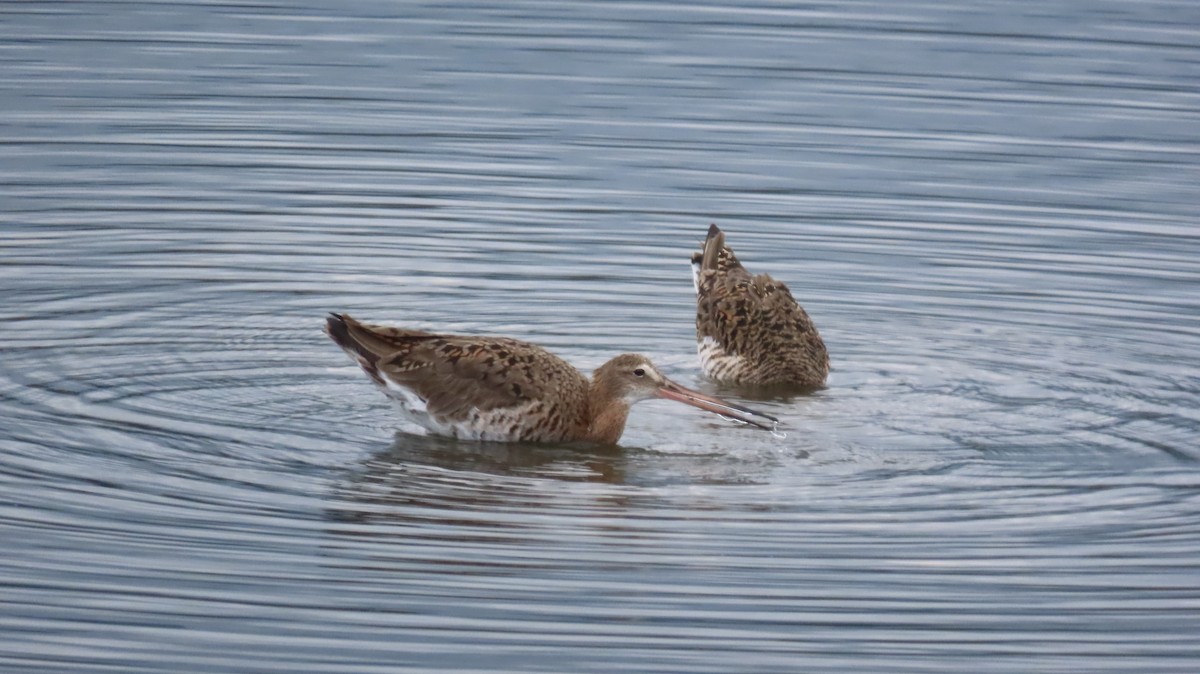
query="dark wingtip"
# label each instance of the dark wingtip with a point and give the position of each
(713, 244)
(339, 331)
(335, 327)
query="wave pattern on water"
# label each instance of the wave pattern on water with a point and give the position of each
(988, 210)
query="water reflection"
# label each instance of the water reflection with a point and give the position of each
(989, 210)
(570, 462)
(471, 498)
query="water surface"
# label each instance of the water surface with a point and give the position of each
(988, 208)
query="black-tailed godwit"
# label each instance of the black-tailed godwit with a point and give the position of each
(749, 329)
(501, 389)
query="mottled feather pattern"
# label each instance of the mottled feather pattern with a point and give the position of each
(485, 383)
(479, 388)
(501, 389)
(749, 329)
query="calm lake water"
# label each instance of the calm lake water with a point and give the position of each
(990, 209)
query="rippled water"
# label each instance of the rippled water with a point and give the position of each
(989, 208)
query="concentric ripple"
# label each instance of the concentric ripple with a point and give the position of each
(990, 215)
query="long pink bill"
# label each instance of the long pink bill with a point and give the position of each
(673, 391)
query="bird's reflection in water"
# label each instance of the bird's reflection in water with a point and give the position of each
(467, 482)
(575, 462)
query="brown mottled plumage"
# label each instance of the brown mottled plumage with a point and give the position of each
(501, 389)
(749, 329)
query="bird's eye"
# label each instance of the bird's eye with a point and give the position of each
(639, 372)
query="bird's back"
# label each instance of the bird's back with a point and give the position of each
(749, 329)
(480, 388)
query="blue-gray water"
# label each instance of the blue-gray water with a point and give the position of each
(989, 208)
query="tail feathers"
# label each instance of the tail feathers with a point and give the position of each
(343, 330)
(351, 336)
(713, 244)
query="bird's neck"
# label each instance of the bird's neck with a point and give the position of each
(608, 414)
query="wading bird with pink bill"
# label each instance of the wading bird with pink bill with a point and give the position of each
(749, 329)
(501, 389)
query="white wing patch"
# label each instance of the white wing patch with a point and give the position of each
(408, 400)
(493, 425)
(498, 425)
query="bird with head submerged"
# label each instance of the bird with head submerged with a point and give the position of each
(749, 329)
(505, 390)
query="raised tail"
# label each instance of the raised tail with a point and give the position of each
(371, 342)
(350, 335)
(715, 256)
(714, 243)
(706, 257)
(703, 259)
